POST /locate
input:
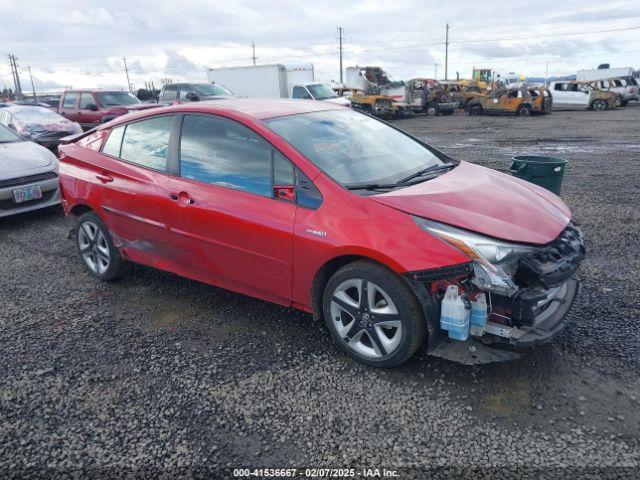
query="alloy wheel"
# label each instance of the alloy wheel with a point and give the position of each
(366, 318)
(93, 247)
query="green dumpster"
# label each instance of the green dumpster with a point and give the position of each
(544, 171)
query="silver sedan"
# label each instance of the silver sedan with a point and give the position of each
(28, 175)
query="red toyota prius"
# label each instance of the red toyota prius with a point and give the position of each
(316, 206)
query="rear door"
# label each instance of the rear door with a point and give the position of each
(69, 106)
(238, 233)
(88, 113)
(131, 175)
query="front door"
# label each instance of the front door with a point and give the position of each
(88, 114)
(237, 232)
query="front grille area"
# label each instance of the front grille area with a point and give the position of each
(16, 182)
(555, 263)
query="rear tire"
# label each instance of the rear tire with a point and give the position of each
(524, 111)
(475, 110)
(97, 252)
(373, 315)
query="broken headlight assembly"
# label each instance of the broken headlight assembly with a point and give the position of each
(494, 261)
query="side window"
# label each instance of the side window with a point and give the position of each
(558, 87)
(170, 92)
(146, 142)
(70, 100)
(300, 92)
(184, 89)
(282, 170)
(222, 152)
(114, 141)
(86, 100)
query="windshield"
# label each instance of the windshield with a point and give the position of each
(114, 99)
(320, 91)
(7, 135)
(354, 148)
(210, 90)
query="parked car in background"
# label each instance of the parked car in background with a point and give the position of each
(574, 95)
(425, 95)
(328, 210)
(516, 101)
(38, 124)
(192, 92)
(28, 175)
(625, 91)
(632, 82)
(3, 105)
(90, 108)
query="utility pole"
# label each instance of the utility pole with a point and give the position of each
(340, 31)
(126, 70)
(546, 74)
(33, 89)
(435, 74)
(253, 49)
(16, 77)
(446, 53)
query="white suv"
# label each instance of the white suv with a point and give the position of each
(624, 89)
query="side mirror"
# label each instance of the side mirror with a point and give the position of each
(285, 192)
(192, 96)
(92, 106)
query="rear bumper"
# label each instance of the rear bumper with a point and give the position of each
(50, 196)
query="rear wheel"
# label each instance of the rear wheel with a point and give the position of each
(96, 248)
(524, 110)
(475, 110)
(600, 105)
(373, 315)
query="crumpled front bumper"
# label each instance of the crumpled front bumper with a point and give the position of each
(492, 347)
(533, 314)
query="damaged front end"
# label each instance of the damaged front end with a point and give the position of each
(529, 290)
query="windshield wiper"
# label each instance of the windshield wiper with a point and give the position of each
(424, 171)
(372, 186)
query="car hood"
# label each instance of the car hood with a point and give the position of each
(18, 157)
(484, 201)
(339, 101)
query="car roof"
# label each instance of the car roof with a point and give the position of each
(21, 108)
(259, 109)
(95, 90)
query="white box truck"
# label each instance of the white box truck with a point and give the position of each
(603, 74)
(274, 81)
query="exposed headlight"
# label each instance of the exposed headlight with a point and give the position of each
(494, 258)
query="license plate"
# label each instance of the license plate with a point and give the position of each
(25, 194)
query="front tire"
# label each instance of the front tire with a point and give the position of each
(600, 105)
(96, 249)
(373, 315)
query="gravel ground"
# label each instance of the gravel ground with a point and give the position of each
(156, 374)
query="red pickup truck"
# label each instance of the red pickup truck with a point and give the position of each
(90, 108)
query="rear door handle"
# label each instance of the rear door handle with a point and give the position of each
(182, 197)
(104, 177)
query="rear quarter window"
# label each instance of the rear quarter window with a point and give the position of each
(114, 142)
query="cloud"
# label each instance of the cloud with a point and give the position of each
(82, 43)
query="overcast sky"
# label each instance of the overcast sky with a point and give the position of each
(81, 43)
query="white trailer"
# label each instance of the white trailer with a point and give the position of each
(603, 74)
(274, 81)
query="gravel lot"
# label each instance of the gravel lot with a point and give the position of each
(158, 374)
